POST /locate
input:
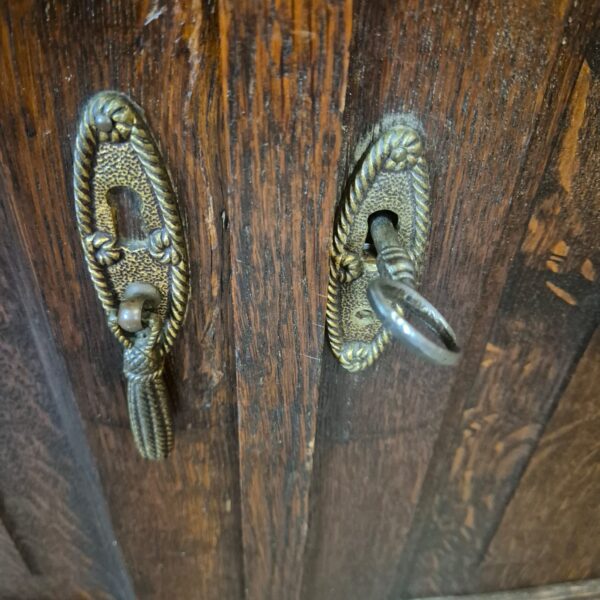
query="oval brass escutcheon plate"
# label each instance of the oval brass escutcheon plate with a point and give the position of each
(391, 177)
(127, 212)
(133, 239)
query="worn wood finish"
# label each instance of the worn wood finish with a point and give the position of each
(547, 313)
(284, 77)
(462, 71)
(588, 590)
(562, 482)
(177, 522)
(258, 107)
(55, 532)
(15, 575)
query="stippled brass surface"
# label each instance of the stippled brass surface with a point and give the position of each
(116, 151)
(391, 176)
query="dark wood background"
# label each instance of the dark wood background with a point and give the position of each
(292, 478)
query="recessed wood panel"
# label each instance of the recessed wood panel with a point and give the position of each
(55, 530)
(546, 316)
(177, 522)
(489, 82)
(550, 529)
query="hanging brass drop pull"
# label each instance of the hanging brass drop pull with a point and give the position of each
(378, 253)
(134, 247)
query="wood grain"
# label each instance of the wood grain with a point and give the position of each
(55, 531)
(15, 575)
(562, 591)
(292, 478)
(488, 81)
(547, 313)
(284, 76)
(177, 523)
(562, 482)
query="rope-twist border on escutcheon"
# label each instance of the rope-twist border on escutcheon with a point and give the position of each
(396, 150)
(126, 124)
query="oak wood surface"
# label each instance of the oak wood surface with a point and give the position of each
(284, 71)
(562, 485)
(177, 523)
(547, 313)
(55, 531)
(291, 478)
(553, 517)
(462, 71)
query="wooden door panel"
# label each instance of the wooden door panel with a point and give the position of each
(562, 486)
(176, 522)
(489, 136)
(547, 313)
(292, 478)
(562, 483)
(55, 532)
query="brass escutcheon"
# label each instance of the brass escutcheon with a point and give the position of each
(381, 233)
(132, 234)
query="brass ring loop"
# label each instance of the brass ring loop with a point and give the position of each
(138, 296)
(385, 294)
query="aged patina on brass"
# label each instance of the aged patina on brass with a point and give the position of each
(378, 251)
(142, 281)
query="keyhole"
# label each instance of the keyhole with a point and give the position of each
(126, 207)
(369, 246)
